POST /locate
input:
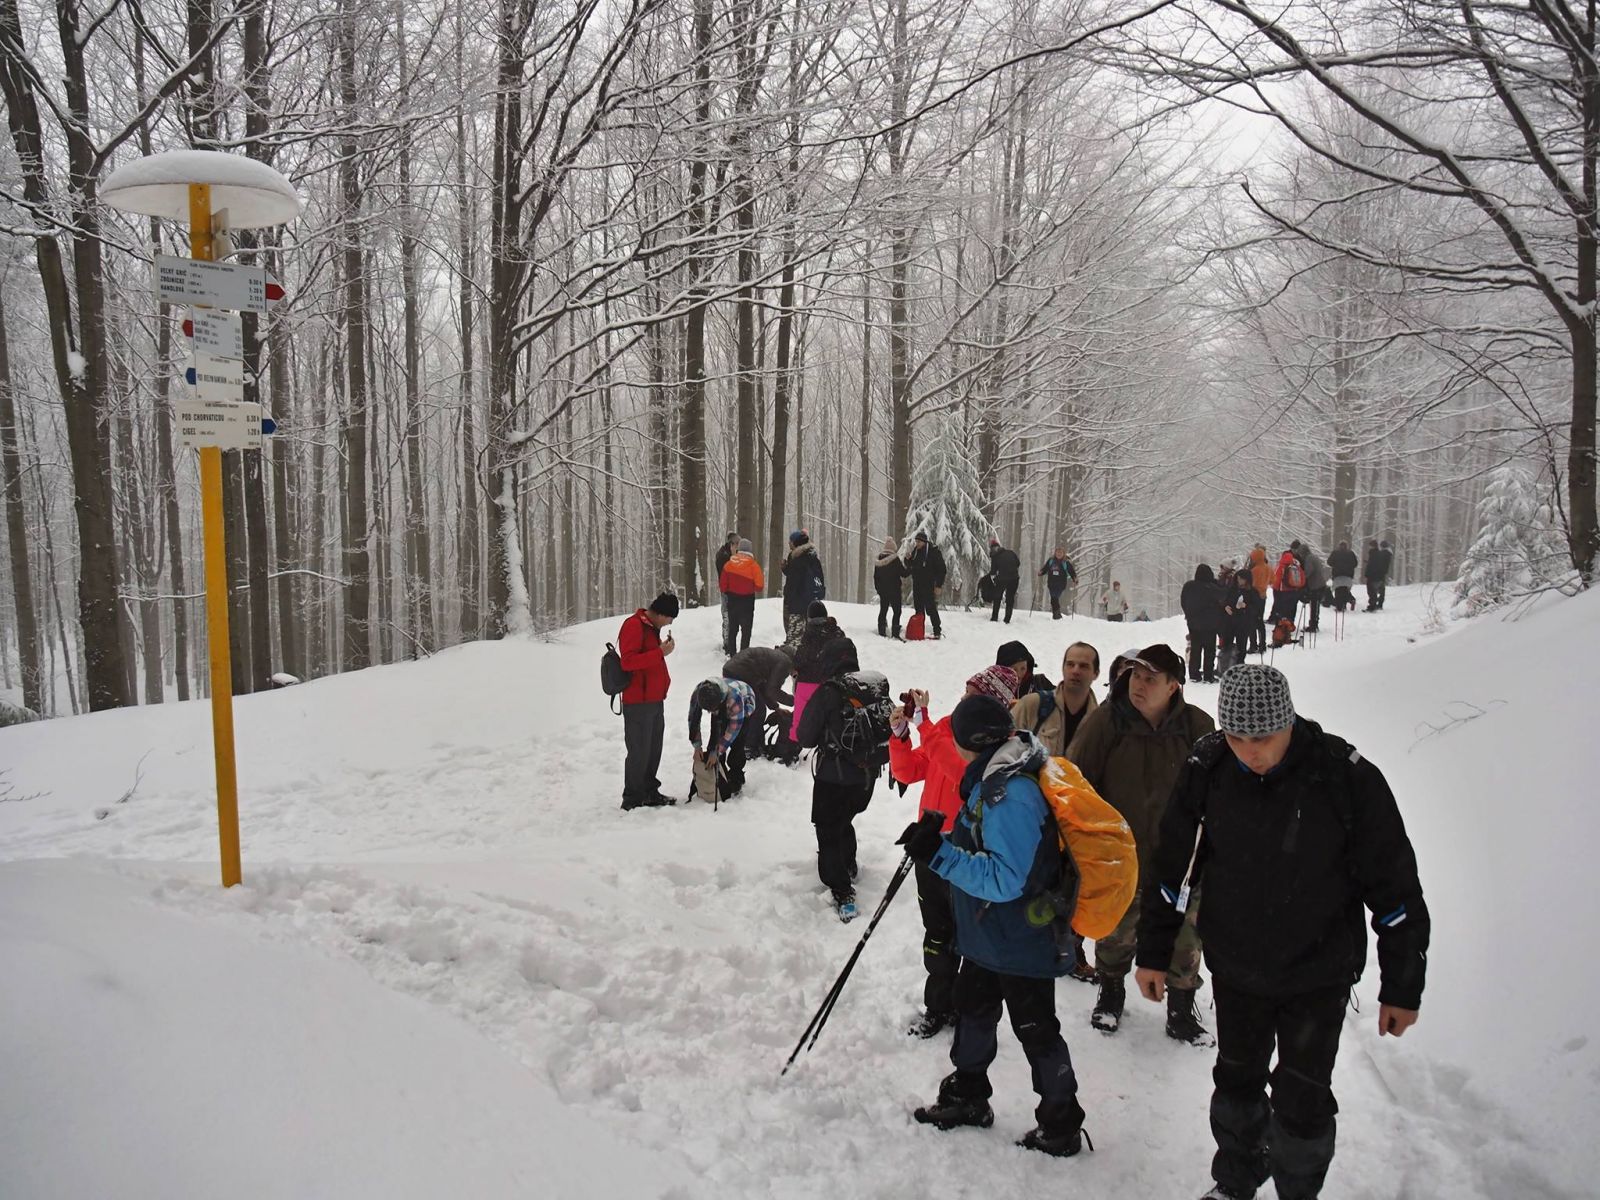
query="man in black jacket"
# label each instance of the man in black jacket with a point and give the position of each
(1005, 572)
(1290, 832)
(1201, 600)
(926, 568)
(767, 670)
(840, 789)
(1375, 572)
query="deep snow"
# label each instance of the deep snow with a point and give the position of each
(455, 958)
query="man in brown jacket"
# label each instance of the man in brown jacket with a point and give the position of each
(1131, 749)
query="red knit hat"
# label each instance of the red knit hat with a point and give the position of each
(997, 683)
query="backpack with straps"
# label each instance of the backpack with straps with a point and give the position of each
(862, 739)
(1294, 576)
(613, 679)
(1047, 707)
(1100, 860)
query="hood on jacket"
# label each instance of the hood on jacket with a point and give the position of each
(1021, 753)
(1203, 574)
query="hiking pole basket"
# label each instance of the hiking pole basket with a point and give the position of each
(820, 1018)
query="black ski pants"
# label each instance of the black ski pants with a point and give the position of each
(1292, 1138)
(924, 601)
(833, 809)
(886, 606)
(1006, 591)
(1031, 1004)
(1202, 654)
(939, 956)
(1377, 589)
(739, 621)
(1055, 602)
(643, 727)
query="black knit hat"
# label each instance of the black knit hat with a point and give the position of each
(816, 611)
(1013, 652)
(665, 604)
(979, 722)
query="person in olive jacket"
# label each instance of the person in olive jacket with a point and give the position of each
(1131, 749)
(1292, 834)
(888, 579)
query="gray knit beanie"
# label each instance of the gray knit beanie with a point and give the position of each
(1254, 701)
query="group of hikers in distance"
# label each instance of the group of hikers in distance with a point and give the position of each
(1259, 839)
(1226, 609)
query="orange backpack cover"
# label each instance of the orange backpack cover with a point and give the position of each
(1101, 845)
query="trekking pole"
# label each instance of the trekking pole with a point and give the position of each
(820, 1017)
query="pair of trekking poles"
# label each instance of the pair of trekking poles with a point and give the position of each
(820, 1017)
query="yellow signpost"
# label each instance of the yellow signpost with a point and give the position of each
(196, 185)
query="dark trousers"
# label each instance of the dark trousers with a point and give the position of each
(1292, 1139)
(1055, 602)
(1008, 593)
(1285, 604)
(939, 956)
(833, 809)
(887, 605)
(754, 735)
(1031, 1004)
(740, 618)
(1343, 598)
(643, 726)
(1377, 589)
(1202, 655)
(927, 603)
(1314, 603)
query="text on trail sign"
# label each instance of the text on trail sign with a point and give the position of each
(216, 333)
(227, 426)
(215, 285)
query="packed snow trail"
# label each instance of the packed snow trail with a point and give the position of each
(452, 826)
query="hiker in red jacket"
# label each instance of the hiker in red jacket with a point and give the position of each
(938, 766)
(644, 653)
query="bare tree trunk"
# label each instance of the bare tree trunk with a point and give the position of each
(865, 522)
(692, 434)
(77, 348)
(357, 549)
(17, 532)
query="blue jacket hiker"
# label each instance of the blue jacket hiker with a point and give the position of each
(1002, 853)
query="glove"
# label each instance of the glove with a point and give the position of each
(922, 839)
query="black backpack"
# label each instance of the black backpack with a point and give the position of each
(613, 679)
(863, 736)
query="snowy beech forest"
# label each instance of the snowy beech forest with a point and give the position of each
(575, 288)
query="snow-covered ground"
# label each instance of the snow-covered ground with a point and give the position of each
(455, 966)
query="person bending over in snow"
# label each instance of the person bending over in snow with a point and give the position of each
(938, 766)
(1292, 832)
(1001, 854)
(730, 703)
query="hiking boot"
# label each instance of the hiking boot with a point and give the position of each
(951, 1111)
(659, 801)
(930, 1023)
(1057, 1145)
(1218, 1192)
(844, 903)
(1183, 1023)
(1084, 972)
(1107, 1015)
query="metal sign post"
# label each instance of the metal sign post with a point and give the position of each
(183, 185)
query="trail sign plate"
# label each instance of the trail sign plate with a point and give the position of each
(213, 284)
(227, 426)
(216, 333)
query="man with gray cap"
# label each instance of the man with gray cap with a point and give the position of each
(1292, 832)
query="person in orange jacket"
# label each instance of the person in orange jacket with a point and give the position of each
(1288, 582)
(1260, 581)
(741, 582)
(937, 765)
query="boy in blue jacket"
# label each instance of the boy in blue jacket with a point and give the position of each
(1002, 853)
